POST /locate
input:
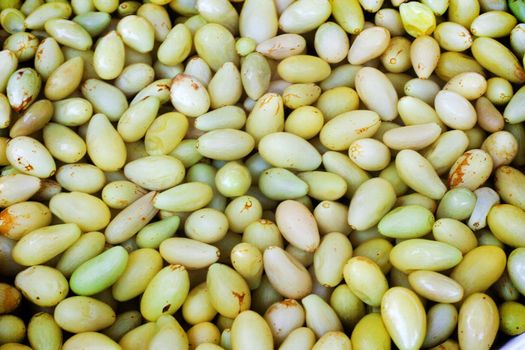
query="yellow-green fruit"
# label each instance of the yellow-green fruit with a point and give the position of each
(165, 293)
(370, 333)
(404, 317)
(228, 291)
(512, 318)
(478, 322)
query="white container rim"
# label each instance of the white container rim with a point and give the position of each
(517, 343)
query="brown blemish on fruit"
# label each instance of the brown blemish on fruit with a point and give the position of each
(166, 308)
(178, 78)
(6, 222)
(456, 178)
(239, 296)
(505, 169)
(39, 53)
(122, 202)
(364, 129)
(362, 258)
(25, 102)
(275, 47)
(519, 73)
(162, 87)
(176, 267)
(247, 206)
(289, 302)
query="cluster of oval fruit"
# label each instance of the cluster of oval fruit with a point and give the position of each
(259, 174)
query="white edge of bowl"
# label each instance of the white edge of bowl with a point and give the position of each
(517, 343)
